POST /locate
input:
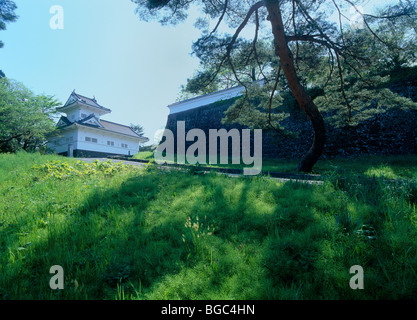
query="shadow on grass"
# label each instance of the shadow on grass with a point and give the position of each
(174, 235)
(388, 167)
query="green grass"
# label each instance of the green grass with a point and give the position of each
(122, 232)
(143, 155)
(389, 167)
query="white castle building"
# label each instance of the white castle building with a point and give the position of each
(82, 132)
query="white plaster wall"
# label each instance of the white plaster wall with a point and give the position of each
(209, 98)
(205, 100)
(75, 115)
(60, 143)
(77, 139)
(101, 145)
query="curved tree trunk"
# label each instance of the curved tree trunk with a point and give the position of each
(287, 64)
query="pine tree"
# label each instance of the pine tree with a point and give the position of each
(293, 26)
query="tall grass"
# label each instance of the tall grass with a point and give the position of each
(145, 233)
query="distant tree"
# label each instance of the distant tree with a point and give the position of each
(138, 129)
(25, 118)
(292, 23)
(7, 15)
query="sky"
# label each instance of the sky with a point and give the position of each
(132, 67)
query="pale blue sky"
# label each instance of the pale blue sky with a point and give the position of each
(133, 67)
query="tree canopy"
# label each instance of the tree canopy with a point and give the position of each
(25, 118)
(137, 128)
(294, 46)
(7, 15)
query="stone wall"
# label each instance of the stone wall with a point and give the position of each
(390, 133)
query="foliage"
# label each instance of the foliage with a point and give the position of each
(382, 54)
(365, 93)
(137, 128)
(7, 15)
(397, 37)
(366, 98)
(344, 220)
(26, 118)
(302, 41)
(208, 79)
(144, 155)
(58, 169)
(255, 109)
(195, 236)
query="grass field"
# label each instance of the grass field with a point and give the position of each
(122, 232)
(389, 167)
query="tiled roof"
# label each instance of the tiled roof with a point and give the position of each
(88, 101)
(105, 125)
(84, 121)
(109, 126)
(65, 120)
(120, 128)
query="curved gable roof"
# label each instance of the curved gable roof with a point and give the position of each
(91, 102)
